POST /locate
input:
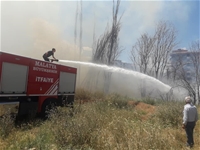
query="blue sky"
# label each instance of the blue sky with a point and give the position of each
(32, 27)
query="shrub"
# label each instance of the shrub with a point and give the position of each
(149, 101)
(170, 114)
(82, 94)
(117, 101)
(6, 124)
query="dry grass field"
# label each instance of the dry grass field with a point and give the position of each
(99, 122)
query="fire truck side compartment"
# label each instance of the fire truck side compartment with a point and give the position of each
(14, 78)
(67, 82)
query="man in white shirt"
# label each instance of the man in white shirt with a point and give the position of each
(190, 117)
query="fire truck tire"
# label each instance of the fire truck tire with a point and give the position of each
(47, 107)
(70, 101)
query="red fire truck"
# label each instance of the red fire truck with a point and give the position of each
(35, 84)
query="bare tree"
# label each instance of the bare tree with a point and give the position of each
(114, 40)
(195, 60)
(151, 54)
(185, 70)
(180, 76)
(107, 47)
(141, 53)
(174, 70)
(165, 36)
(101, 46)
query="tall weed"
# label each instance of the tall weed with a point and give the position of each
(105, 123)
(7, 122)
(170, 114)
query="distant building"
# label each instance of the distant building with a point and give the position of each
(182, 57)
(124, 65)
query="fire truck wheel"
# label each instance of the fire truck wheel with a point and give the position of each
(48, 106)
(70, 101)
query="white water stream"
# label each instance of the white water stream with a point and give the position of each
(125, 82)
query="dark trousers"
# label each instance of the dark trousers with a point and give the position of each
(45, 58)
(189, 132)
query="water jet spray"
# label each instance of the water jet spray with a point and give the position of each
(121, 81)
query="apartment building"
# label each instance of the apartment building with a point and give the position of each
(181, 63)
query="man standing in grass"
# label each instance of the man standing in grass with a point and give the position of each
(190, 117)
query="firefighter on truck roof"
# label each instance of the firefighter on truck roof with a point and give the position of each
(48, 54)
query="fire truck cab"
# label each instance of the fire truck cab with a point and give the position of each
(35, 84)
